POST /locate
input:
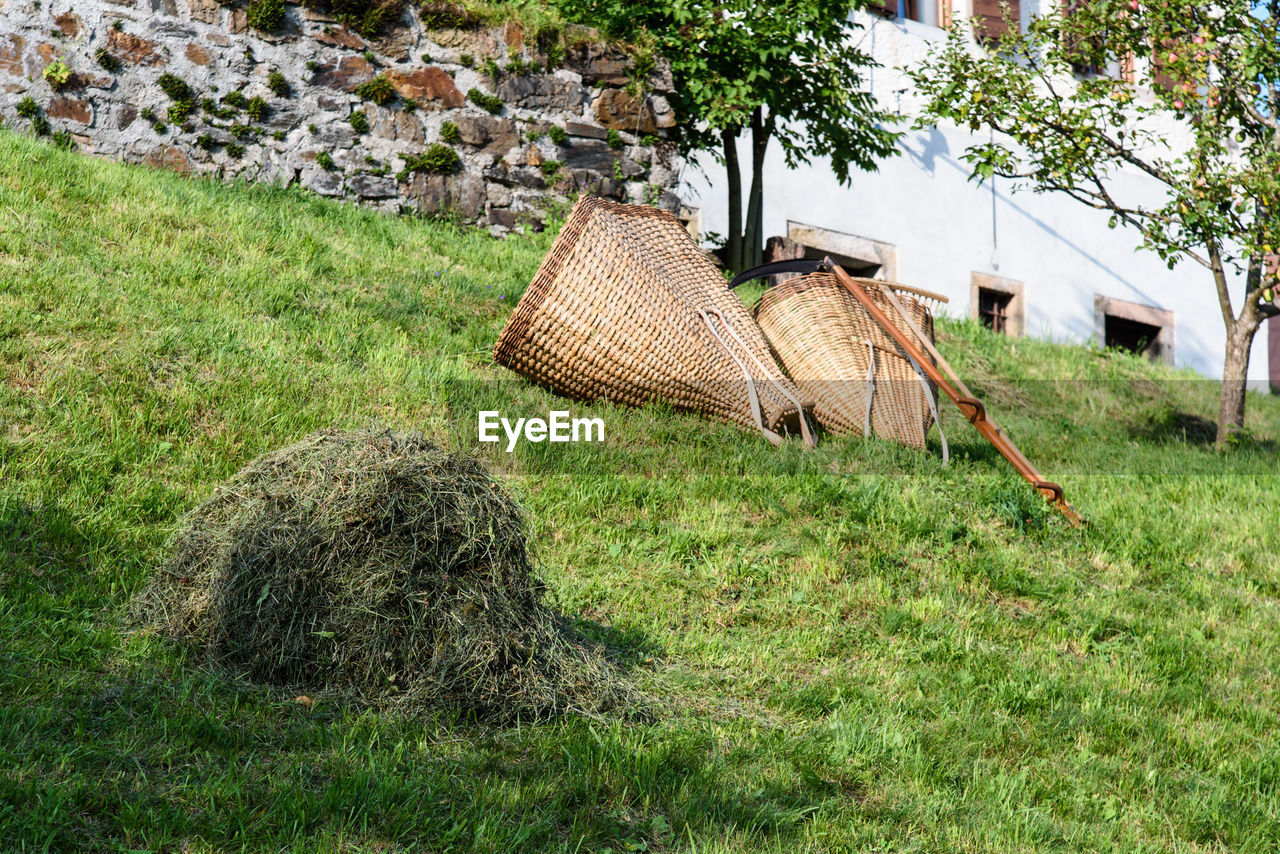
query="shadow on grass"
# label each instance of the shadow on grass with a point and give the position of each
(111, 742)
(159, 758)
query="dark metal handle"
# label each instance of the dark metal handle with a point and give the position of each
(794, 265)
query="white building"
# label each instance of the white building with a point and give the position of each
(1048, 263)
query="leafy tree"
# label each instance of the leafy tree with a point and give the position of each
(785, 71)
(1189, 96)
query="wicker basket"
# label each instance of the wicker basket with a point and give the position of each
(626, 307)
(859, 379)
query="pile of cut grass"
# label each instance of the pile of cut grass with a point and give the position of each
(379, 567)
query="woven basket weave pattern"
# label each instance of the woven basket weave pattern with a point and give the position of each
(613, 313)
(819, 331)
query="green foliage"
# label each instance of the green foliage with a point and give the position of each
(206, 142)
(148, 114)
(557, 134)
(1213, 196)
(377, 89)
(64, 139)
(449, 132)
(57, 73)
(444, 16)
(792, 71)
(855, 648)
(359, 121)
(551, 167)
(211, 108)
(410, 105)
(278, 85)
(483, 100)
(491, 69)
(234, 150)
(614, 139)
(466, 60)
(243, 131)
(265, 15)
(438, 159)
(27, 108)
(256, 108)
(236, 100)
(370, 57)
(279, 135)
(106, 60)
(160, 128)
(175, 87)
(325, 161)
(40, 126)
(369, 18)
(179, 112)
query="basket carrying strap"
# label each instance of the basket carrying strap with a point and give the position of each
(871, 387)
(751, 383)
(933, 408)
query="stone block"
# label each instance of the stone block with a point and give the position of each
(541, 92)
(74, 109)
(432, 87)
(598, 157)
(344, 73)
(165, 7)
(373, 187)
(322, 181)
(491, 134)
(205, 11)
(585, 129)
(198, 55)
(396, 125)
(69, 24)
(342, 37)
(134, 49)
(462, 194)
(168, 157)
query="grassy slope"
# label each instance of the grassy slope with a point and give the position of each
(856, 647)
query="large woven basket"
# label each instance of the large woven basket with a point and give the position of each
(626, 307)
(843, 360)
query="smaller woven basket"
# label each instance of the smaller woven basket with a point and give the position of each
(859, 379)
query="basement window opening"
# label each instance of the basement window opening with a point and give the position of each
(1134, 328)
(1133, 336)
(993, 310)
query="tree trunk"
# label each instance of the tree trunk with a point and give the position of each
(1235, 371)
(753, 248)
(733, 239)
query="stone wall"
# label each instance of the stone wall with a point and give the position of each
(591, 125)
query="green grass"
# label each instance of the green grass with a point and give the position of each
(853, 649)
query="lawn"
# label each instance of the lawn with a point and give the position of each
(851, 649)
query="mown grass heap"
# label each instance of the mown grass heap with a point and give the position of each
(376, 567)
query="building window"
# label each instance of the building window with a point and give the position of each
(989, 22)
(1133, 327)
(997, 304)
(993, 309)
(935, 13)
(860, 256)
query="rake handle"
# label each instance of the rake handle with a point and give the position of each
(969, 406)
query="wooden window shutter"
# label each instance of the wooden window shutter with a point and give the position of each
(1126, 67)
(989, 23)
(884, 8)
(944, 13)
